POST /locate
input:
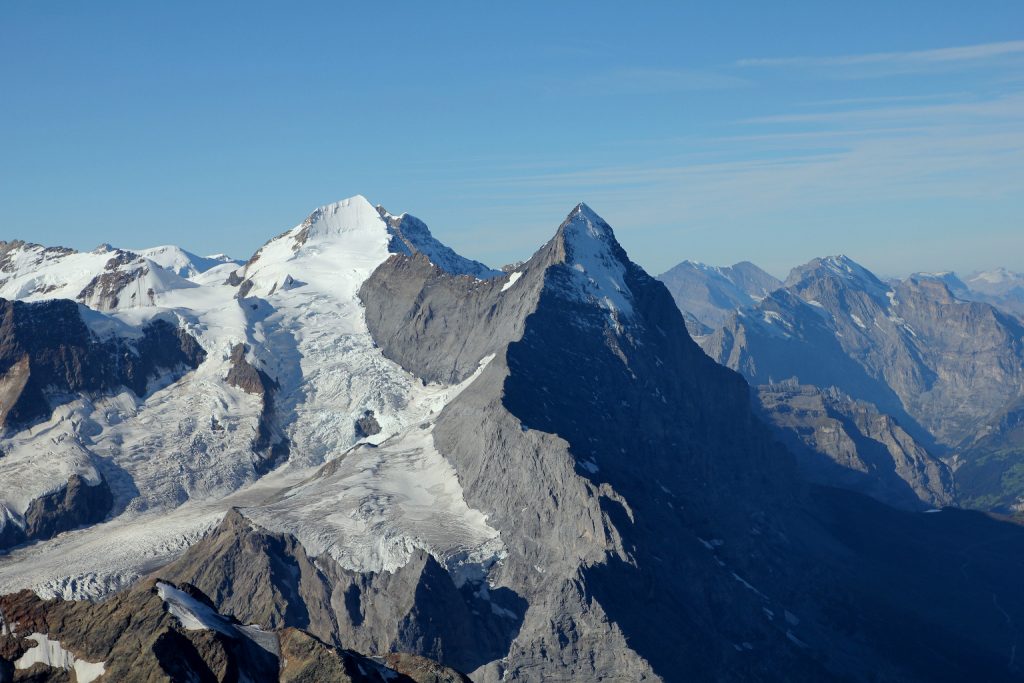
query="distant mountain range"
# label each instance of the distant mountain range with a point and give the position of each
(708, 295)
(943, 358)
(361, 456)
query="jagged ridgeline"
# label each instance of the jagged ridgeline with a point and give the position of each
(940, 363)
(556, 483)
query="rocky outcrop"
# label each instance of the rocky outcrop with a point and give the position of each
(270, 445)
(133, 636)
(367, 425)
(304, 659)
(47, 354)
(423, 670)
(268, 579)
(76, 504)
(245, 375)
(158, 631)
(104, 290)
(843, 442)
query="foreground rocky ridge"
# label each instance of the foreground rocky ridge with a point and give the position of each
(157, 631)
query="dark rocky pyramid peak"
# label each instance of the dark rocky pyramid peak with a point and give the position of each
(587, 265)
(584, 236)
(583, 221)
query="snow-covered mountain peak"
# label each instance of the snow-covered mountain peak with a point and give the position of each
(993, 276)
(352, 216)
(584, 221)
(998, 281)
(597, 261)
(846, 266)
(339, 245)
(106, 278)
(584, 225)
(183, 263)
(333, 250)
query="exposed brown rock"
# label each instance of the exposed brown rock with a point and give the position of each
(423, 670)
(245, 375)
(76, 504)
(271, 445)
(64, 358)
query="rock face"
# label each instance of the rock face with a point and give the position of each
(157, 631)
(709, 295)
(843, 442)
(48, 353)
(941, 366)
(676, 454)
(410, 235)
(271, 446)
(80, 503)
(269, 579)
(367, 425)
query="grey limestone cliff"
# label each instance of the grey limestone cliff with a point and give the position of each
(843, 442)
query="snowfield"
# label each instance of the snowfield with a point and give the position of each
(372, 508)
(179, 457)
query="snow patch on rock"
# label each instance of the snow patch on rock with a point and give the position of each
(599, 274)
(52, 654)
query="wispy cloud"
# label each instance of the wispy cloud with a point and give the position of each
(946, 55)
(883, 63)
(1004, 107)
(882, 99)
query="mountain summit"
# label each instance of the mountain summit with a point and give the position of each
(708, 295)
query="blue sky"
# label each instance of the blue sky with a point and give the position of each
(774, 132)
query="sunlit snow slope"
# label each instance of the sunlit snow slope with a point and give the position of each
(179, 456)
